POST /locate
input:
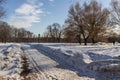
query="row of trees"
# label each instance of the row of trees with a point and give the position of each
(11, 34)
(87, 22)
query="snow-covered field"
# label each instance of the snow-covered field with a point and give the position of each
(62, 61)
(100, 61)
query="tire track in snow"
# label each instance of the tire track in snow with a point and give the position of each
(42, 75)
(32, 61)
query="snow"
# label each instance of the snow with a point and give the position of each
(84, 58)
(55, 60)
(47, 67)
(10, 60)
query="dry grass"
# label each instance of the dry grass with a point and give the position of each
(2, 78)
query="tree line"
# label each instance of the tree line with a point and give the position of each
(11, 34)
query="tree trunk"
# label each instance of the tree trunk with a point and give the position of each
(79, 42)
(93, 40)
(85, 41)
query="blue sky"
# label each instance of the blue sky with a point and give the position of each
(36, 15)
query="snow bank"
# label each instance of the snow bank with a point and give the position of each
(10, 61)
(75, 58)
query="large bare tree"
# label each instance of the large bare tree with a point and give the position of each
(88, 20)
(96, 18)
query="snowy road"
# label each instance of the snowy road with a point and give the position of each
(47, 68)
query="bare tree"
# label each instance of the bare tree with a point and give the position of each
(88, 20)
(5, 32)
(55, 32)
(75, 20)
(96, 19)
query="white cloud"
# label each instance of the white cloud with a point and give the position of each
(27, 14)
(25, 9)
